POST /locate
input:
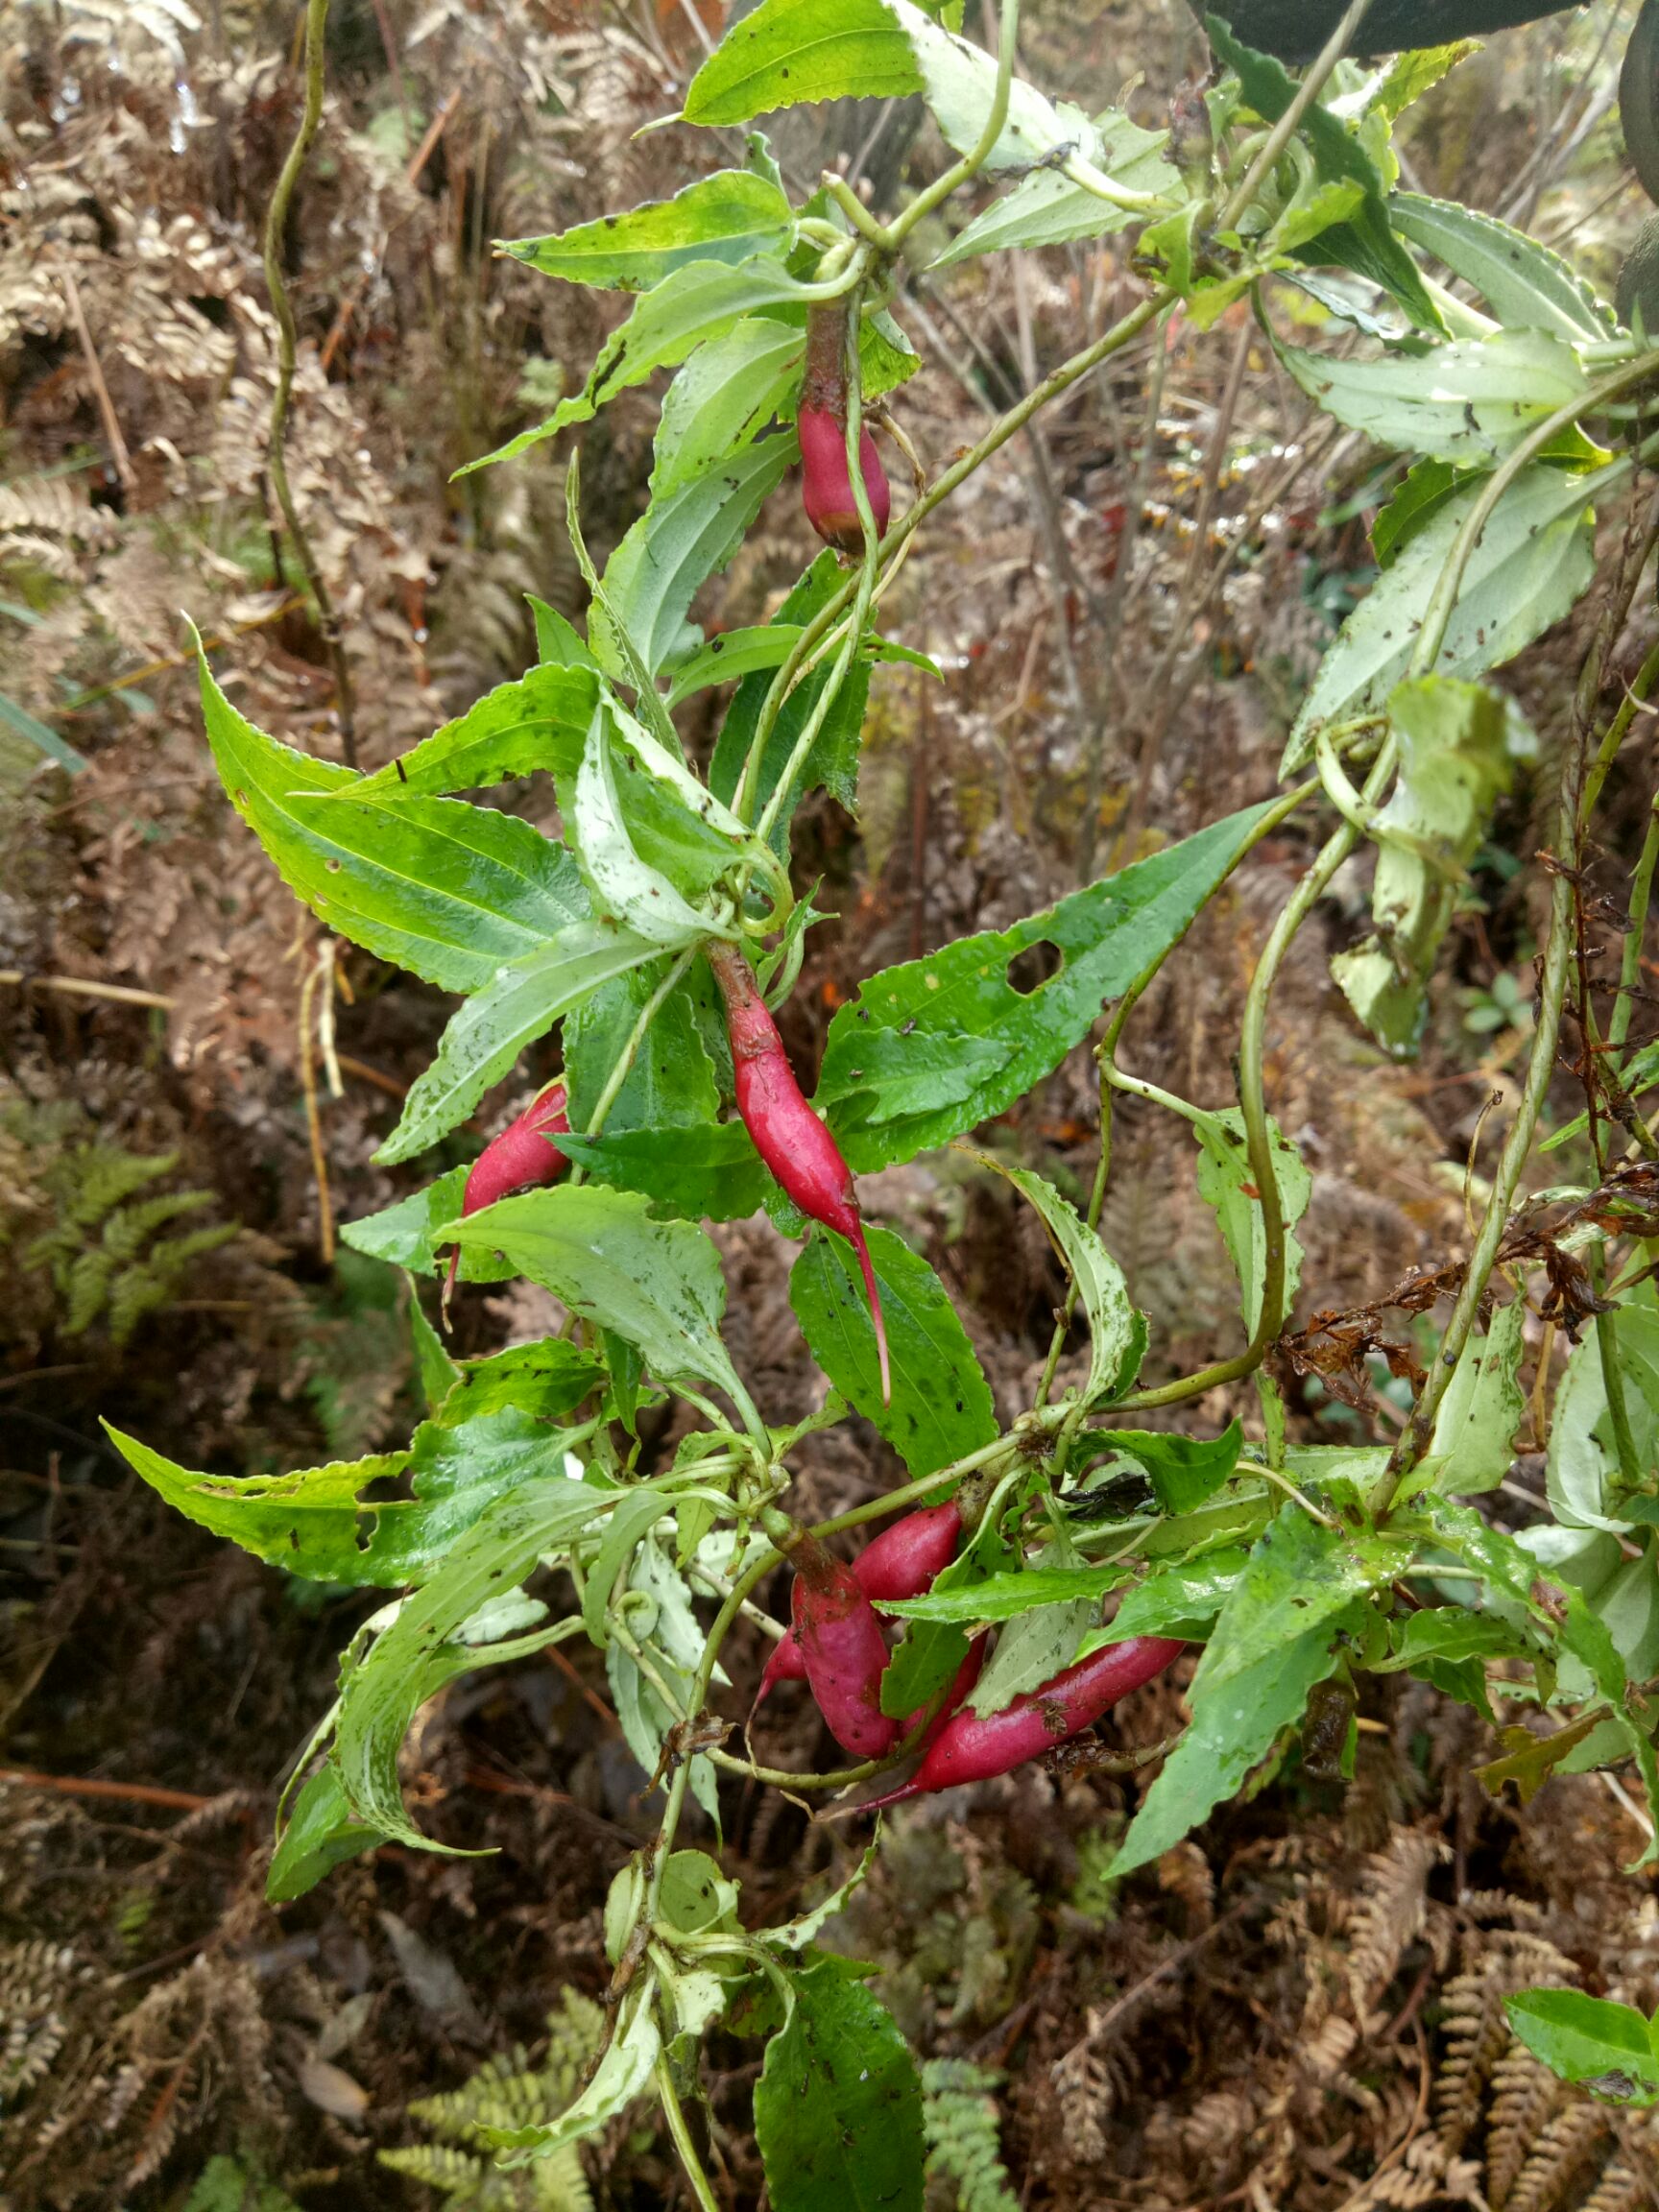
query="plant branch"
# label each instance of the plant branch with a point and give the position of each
(287, 349)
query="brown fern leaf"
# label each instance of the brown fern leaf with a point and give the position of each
(1476, 2026)
(1560, 2160)
(1390, 1915)
(1524, 2096)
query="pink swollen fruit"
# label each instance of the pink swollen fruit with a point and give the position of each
(521, 1157)
(972, 1749)
(789, 1136)
(846, 1653)
(826, 484)
(901, 1562)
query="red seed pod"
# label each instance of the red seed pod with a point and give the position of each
(826, 482)
(846, 1653)
(789, 1136)
(901, 1562)
(522, 1157)
(972, 1749)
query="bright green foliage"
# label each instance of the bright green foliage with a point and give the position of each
(1610, 2050)
(226, 2184)
(105, 1251)
(964, 2148)
(838, 2106)
(508, 2092)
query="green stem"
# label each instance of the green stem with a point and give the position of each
(1613, 1383)
(1641, 892)
(962, 171)
(674, 2114)
(630, 1051)
(287, 351)
(1287, 125)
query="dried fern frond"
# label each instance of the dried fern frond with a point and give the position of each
(36, 1980)
(1562, 2158)
(1389, 1914)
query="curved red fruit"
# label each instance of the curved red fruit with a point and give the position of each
(845, 1650)
(972, 1749)
(789, 1136)
(827, 485)
(901, 1562)
(966, 1675)
(523, 1156)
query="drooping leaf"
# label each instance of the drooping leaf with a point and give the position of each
(1226, 1185)
(1465, 403)
(1535, 560)
(1425, 488)
(318, 1836)
(671, 1085)
(838, 2104)
(627, 888)
(1115, 1342)
(1610, 2050)
(724, 394)
(1006, 1596)
(1182, 1470)
(1106, 935)
(730, 216)
(683, 538)
(1301, 1576)
(422, 1647)
(1453, 768)
(710, 1171)
(521, 1002)
(1526, 285)
(445, 890)
(941, 1407)
(1049, 209)
(623, 2074)
(401, 1234)
(1581, 1465)
(786, 52)
(1474, 1431)
(697, 302)
(1181, 1599)
(656, 1283)
(543, 1380)
(538, 723)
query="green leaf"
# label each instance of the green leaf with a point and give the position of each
(786, 52)
(1412, 75)
(34, 732)
(838, 2104)
(735, 653)
(656, 1283)
(422, 1647)
(1453, 768)
(1182, 1470)
(1467, 402)
(959, 84)
(1107, 935)
(1425, 491)
(730, 216)
(543, 1380)
(307, 1522)
(670, 1087)
(1366, 244)
(1039, 1640)
(627, 888)
(683, 537)
(556, 642)
(318, 1836)
(624, 2073)
(1449, 1633)
(1525, 284)
(833, 760)
(1182, 1599)
(1114, 1343)
(1581, 1467)
(1535, 559)
(1006, 1596)
(941, 1407)
(1611, 2050)
(1048, 209)
(445, 890)
(538, 723)
(401, 1234)
(1302, 1576)
(1226, 1185)
(435, 1372)
(729, 390)
(698, 301)
(1233, 1723)
(521, 1002)
(707, 1173)
(1472, 1442)
(931, 1650)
